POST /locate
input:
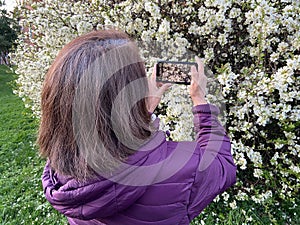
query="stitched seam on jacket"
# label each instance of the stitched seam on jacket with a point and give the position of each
(193, 183)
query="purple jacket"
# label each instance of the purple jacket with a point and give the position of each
(180, 180)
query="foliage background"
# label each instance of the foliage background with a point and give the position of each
(252, 47)
(8, 33)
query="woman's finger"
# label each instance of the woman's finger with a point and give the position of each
(195, 75)
(163, 88)
(200, 65)
(159, 84)
(153, 76)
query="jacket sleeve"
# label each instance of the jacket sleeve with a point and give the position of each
(216, 170)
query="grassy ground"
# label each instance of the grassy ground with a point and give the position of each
(21, 196)
(22, 200)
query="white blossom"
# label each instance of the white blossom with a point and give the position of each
(256, 72)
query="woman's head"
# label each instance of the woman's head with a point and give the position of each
(93, 104)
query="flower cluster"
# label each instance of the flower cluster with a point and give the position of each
(253, 48)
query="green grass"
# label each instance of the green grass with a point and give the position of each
(22, 200)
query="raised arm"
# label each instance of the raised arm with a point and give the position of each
(209, 132)
(216, 171)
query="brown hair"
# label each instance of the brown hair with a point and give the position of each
(85, 93)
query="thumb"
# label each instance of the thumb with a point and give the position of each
(163, 88)
(194, 73)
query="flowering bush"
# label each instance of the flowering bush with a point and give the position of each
(253, 48)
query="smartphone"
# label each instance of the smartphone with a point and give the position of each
(174, 72)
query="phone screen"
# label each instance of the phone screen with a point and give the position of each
(174, 72)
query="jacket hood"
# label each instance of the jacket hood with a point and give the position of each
(101, 197)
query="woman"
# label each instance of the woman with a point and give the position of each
(107, 161)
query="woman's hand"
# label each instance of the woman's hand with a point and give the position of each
(198, 83)
(156, 90)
